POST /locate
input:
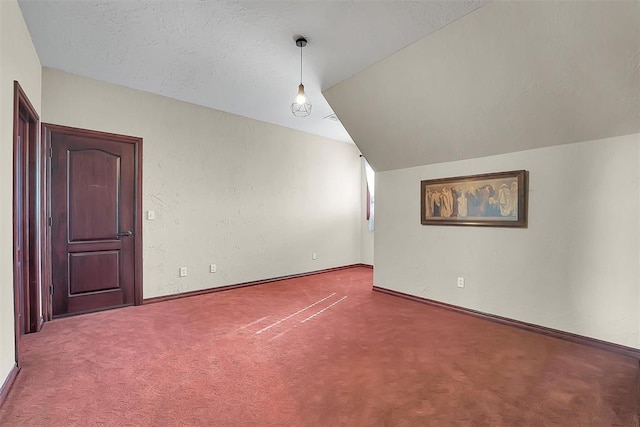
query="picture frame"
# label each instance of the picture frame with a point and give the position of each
(496, 199)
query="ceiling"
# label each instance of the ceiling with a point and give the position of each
(239, 56)
(508, 77)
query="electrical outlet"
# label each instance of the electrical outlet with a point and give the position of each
(212, 268)
(461, 282)
(183, 271)
(314, 255)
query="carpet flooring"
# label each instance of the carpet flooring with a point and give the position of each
(321, 350)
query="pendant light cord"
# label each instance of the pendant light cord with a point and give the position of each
(300, 64)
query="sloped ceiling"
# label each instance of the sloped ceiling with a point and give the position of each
(234, 56)
(508, 77)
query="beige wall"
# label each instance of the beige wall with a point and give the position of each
(18, 61)
(253, 198)
(575, 268)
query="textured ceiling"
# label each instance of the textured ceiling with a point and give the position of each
(238, 57)
(508, 77)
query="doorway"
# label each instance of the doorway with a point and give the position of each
(27, 216)
(96, 220)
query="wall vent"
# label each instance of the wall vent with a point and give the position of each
(333, 118)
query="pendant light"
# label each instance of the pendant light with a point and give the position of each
(301, 106)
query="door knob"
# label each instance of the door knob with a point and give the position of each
(124, 234)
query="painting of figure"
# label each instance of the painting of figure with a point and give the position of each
(493, 199)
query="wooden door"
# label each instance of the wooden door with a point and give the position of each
(26, 280)
(94, 221)
(21, 261)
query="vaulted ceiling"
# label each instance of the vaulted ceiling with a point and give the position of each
(508, 77)
(413, 83)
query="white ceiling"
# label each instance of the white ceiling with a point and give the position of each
(238, 57)
(508, 77)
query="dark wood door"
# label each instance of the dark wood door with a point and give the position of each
(26, 289)
(93, 206)
(26, 220)
(21, 261)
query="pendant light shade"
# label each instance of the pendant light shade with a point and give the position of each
(301, 107)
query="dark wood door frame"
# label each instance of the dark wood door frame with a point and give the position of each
(27, 216)
(47, 130)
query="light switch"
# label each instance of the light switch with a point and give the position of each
(151, 215)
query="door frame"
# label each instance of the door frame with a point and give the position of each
(47, 130)
(30, 223)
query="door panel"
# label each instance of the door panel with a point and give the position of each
(94, 183)
(94, 271)
(93, 187)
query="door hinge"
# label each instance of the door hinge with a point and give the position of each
(50, 221)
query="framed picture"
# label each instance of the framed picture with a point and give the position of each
(492, 199)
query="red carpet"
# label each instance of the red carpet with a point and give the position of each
(256, 357)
